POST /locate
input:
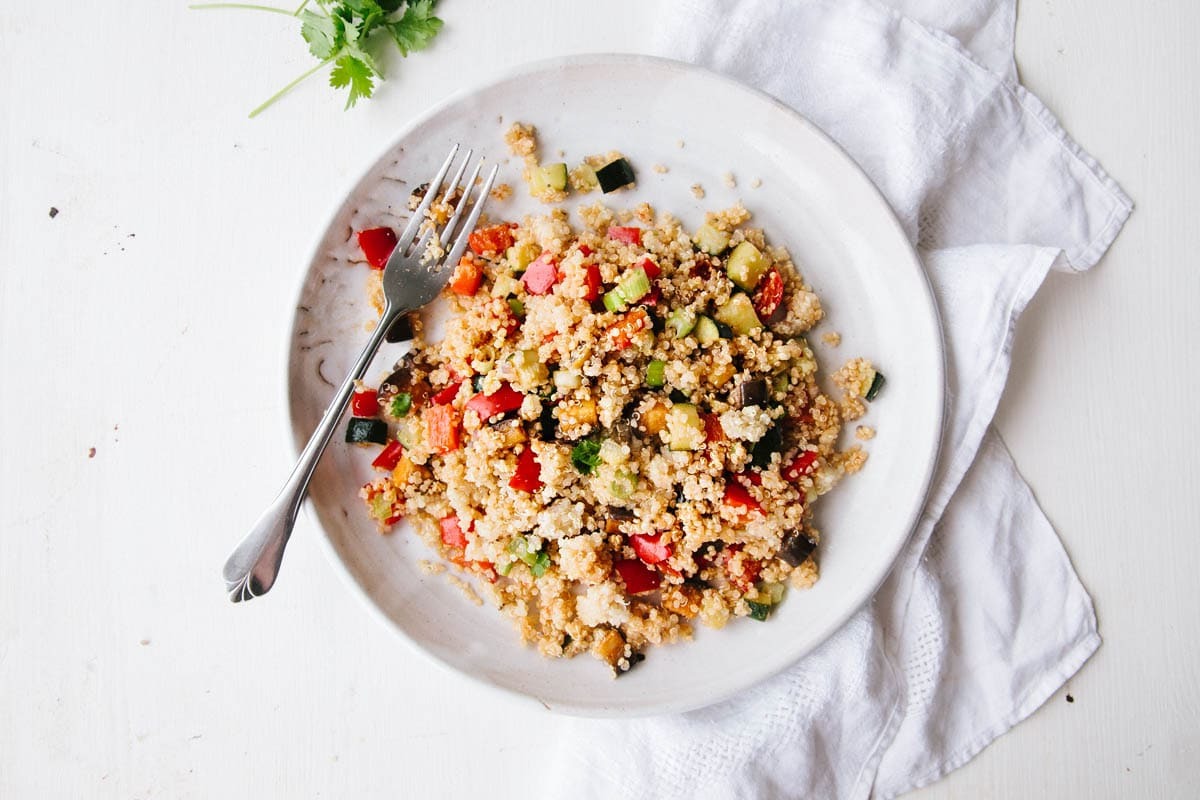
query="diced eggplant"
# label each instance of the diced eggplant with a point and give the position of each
(614, 175)
(796, 548)
(768, 445)
(749, 393)
(401, 330)
(401, 380)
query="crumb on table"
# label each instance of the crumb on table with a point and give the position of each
(729, 180)
(697, 191)
(660, 169)
(864, 432)
(832, 338)
(502, 192)
(757, 182)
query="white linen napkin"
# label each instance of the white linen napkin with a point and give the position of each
(983, 617)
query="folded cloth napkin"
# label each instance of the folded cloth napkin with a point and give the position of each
(983, 617)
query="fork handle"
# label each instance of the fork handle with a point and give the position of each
(253, 566)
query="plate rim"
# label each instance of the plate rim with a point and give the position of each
(930, 461)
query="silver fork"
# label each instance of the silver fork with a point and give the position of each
(408, 283)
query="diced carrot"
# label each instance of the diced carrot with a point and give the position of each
(467, 277)
(623, 330)
(495, 239)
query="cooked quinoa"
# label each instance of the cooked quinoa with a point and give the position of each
(621, 432)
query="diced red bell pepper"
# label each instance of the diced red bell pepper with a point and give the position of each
(627, 235)
(364, 403)
(528, 477)
(751, 477)
(651, 298)
(467, 277)
(587, 251)
(541, 275)
(713, 432)
(738, 497)
(651, 269)
(452, 533)
(623, 330)
(389, 457)
(742, 572)
(637, 576)
(377, 245)
(495, 239)
(501, 401)
(650, 548)
(591, 279)
(803, 464)
(447, 395)
(769, 295)
(441, 428)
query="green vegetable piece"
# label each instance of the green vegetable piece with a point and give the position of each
(876, 384)
(623, 484)
(516, 306)
(401, 404)
(775, 592)
(759, 611)
(586, 456)
(361, 430)
(656, 373)
(745, 266)
(549, 177)
(685, 428)
(540, 564)
(614, 175)
(711, 240)
(739, 315)
(635, 286)
(614, 302)
(681, 321)
(505, 567)
(706, 330)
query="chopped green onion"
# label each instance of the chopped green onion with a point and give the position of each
(656, 373)
(681, 321)
(586, 456)
(516, 306)
(614, 301)
(540, 564)
(759, 611)
(505, 567)
(876, 384)
(635, 286)
(401, 404)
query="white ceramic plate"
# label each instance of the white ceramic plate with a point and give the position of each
(813, 199)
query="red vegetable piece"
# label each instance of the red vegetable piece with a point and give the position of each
(769, 295)
(493, 240)
(452, 533)
(652, 298)
(447, 395)
(591, 279)
(803, 464)
(377, 244)
(751, 477)
(627, 235)
(739, 497)
(587, 251)
(501, 401)
(541, 275)
(467, 277)
(441, 428)
(713, 432)
(389, 456)
(637, 576)
(650, 548)
(364, 403)
(651, 269)
(623, 330)
(528, 477)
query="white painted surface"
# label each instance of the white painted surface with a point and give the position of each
(124, 672)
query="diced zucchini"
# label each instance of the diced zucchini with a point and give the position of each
(759, 611)
(516, 306)
(520, 255)
(361, 430)
(681, 321)
(746, 265)
(685, 428)
(530, 370)
(656, 373)
(634, 286)
(408, 432)
(505, 285)
(706, 330)
(614, 175)
(505, 567)
(876, 384)
(614, 301)
(739, 314)
(711, 240)
(623, 484)
(548, 178)
(774, 591)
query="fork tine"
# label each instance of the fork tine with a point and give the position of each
(461, 206)
(414, 222)
(460, 243)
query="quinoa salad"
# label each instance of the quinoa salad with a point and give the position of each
(621, 433)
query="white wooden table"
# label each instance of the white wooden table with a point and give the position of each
(147, 320)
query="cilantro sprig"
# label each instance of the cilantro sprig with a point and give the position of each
(348, 34)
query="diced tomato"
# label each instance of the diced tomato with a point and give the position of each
(650, 548)
(802, 465)
(591, 279)
(452, 533)
(467, 277)
(637, 576)
(750, 477)
(587, 251)
(441, 428)
(364, 403)
(528, 477)
(541, 275)
(377, 245)
(493, 240)
(651, 269)
(713, 432)
(389, 457)
(627, 235)
(623, 330)
(769, 295)
(738, 497)
(501, 401)
(447, 395)
(742, 572)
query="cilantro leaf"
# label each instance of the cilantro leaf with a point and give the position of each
(416, 27)
(586, 456)
(325, 35)
(350, 71)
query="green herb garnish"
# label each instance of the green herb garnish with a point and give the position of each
(347, 34)
(401, 404)
(586, 456)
